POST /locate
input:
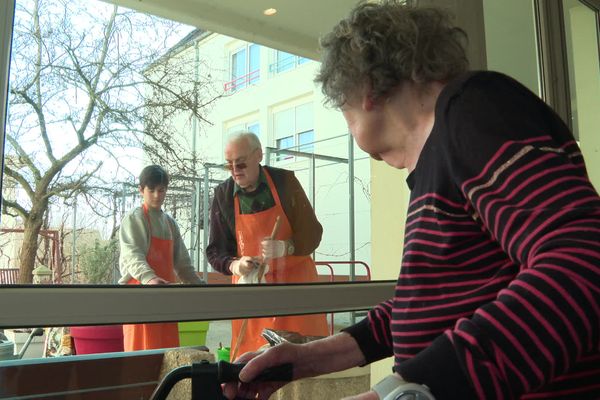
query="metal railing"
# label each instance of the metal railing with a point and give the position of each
(9, 276)
(329, 265)
(242, 81)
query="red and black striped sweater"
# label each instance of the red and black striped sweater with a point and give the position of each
(499, 290)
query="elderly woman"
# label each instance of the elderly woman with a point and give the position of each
(497, 295)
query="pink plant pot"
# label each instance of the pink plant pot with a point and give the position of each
(97, 339)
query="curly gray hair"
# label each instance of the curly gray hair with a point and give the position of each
(383, 44)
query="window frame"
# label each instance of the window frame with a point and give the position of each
(46, 305)
(295, 62)
(295, 134)
(552, 53)
(7, 16)
(70, 305)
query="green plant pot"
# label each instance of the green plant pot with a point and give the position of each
(193, 333)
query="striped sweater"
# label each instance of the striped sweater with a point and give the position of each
(499, 291)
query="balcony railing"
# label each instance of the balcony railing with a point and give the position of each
(242, 81)
(286, 64)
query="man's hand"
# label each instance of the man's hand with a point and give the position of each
(157, 281)
(273, 248)
(244, 265)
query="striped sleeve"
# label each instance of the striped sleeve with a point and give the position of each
(524, 178)
(373, 333)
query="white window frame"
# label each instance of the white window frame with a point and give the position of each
(248, 80)
(70, 305)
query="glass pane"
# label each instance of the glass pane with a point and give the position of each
(254, 63)
(254, 128)
(304, 117)
(183, 128)
(135, 374)
(238, 70)
(283, 123)
(305, 141)
(65, 199)
(285, 61)
(285, 143)
(95, 339)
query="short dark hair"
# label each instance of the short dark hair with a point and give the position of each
(152, 176)
(383, 44)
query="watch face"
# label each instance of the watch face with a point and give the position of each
(412, 395)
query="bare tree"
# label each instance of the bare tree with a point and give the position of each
(89, 82)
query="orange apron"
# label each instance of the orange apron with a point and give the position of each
(160, 335)
(250, 231)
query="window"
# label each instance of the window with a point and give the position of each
(293, 129)
(285, 143)
(286, 61)
(253, 127)
(150, 99)
(245, 68)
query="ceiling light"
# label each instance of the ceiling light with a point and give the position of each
(270, 11)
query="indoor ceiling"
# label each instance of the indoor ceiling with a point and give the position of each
(295, 28)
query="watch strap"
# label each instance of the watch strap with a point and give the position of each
(393, 386)
(387, 385)
(410, 391)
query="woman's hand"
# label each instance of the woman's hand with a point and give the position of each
(256, 363)
(330, 354)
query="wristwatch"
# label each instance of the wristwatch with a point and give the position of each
(393, 387)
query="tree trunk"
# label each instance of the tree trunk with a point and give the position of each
(29, 249)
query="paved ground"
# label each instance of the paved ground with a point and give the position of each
(218, 332)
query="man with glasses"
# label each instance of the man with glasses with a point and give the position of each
(243, 214)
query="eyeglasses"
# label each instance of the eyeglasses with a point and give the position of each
(230, 166)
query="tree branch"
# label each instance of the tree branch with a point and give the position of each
(22, 212)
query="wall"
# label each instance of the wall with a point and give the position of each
(583, 53)
(389, 206)
(511, 40)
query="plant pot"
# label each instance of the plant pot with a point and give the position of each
(97, 339)
(193, 333)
